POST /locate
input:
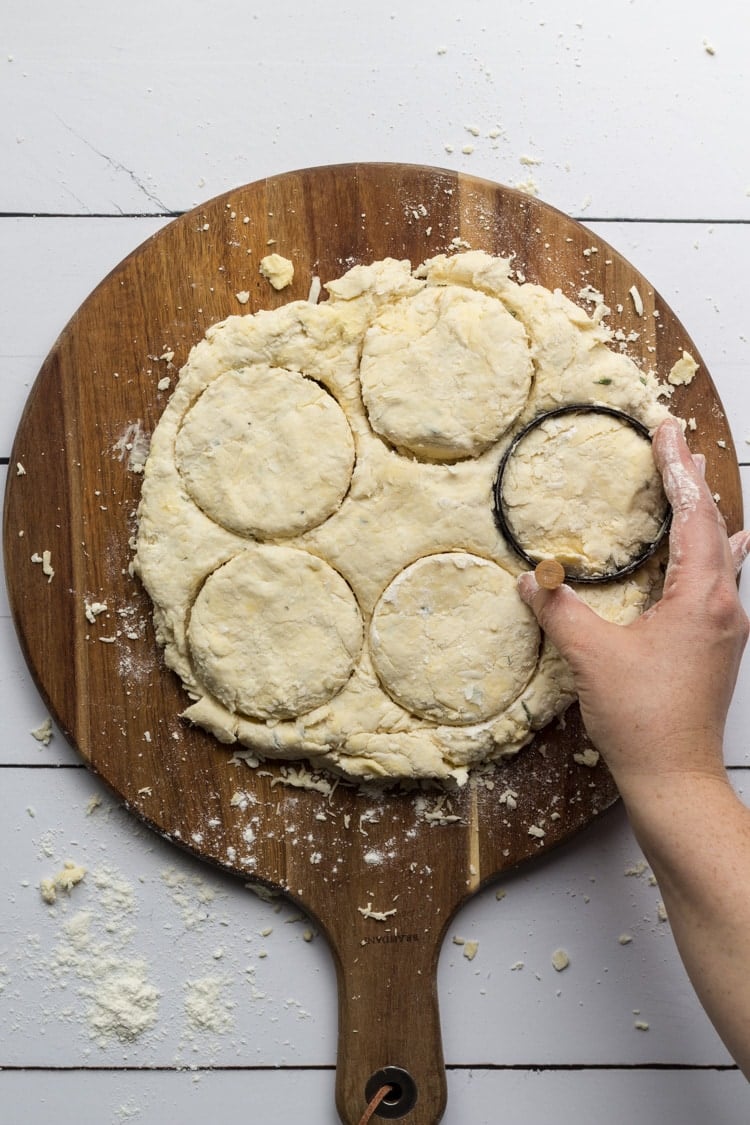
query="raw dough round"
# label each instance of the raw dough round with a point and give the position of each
(445, 373)
(265, 452)
(274, 633)
(451, 639)
(583, 488)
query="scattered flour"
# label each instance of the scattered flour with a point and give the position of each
(191, 894)
(206, 1005)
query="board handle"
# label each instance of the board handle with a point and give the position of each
(389, 1027)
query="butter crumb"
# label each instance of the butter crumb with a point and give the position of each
(637, 300)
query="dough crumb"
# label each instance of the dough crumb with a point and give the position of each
(48, 891)
(93, 609)
(641, 1025)
(661, 912)
(46, 560)
(243, 296)
(375, 915)
(637, 300)
(625, 939)
(20, 471)
(683, 371)
(537, 832)
(588, 757)
(470, 950)
(70, 876)
(313, 295)
(278, 270)
(43, 733)
(560, 960)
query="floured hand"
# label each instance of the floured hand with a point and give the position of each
(654, 694)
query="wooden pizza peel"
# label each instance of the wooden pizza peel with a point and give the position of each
(106, 686)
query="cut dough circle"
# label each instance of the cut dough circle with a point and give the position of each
(274, 632)
(451, 639)
(265, 452)
(445, 373)
(583, 488)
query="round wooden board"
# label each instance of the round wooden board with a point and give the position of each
(117, 703)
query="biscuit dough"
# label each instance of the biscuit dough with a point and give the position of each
(458, 350)
(265, 452)
(583, 489)
(451, 640)
(274, 633)
(327, 575)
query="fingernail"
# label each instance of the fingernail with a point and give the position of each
(700, 463)
(527, 585)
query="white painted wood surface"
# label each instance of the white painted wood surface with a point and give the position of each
(627, 115)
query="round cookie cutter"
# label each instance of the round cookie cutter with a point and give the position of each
(573, 574)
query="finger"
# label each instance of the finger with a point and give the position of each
(570, 624)
(698, 535)
(739, 545)
(684, 482)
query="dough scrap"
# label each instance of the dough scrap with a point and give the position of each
(269, 683)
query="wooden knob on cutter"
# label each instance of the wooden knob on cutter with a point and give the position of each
(549, 574)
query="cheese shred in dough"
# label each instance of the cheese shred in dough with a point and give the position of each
(316, 526)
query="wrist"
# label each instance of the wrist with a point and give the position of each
(669, 806)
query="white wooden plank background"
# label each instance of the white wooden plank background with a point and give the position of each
(629, 116)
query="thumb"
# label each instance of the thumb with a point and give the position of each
(572, 626)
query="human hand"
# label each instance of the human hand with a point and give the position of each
(654, 694)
